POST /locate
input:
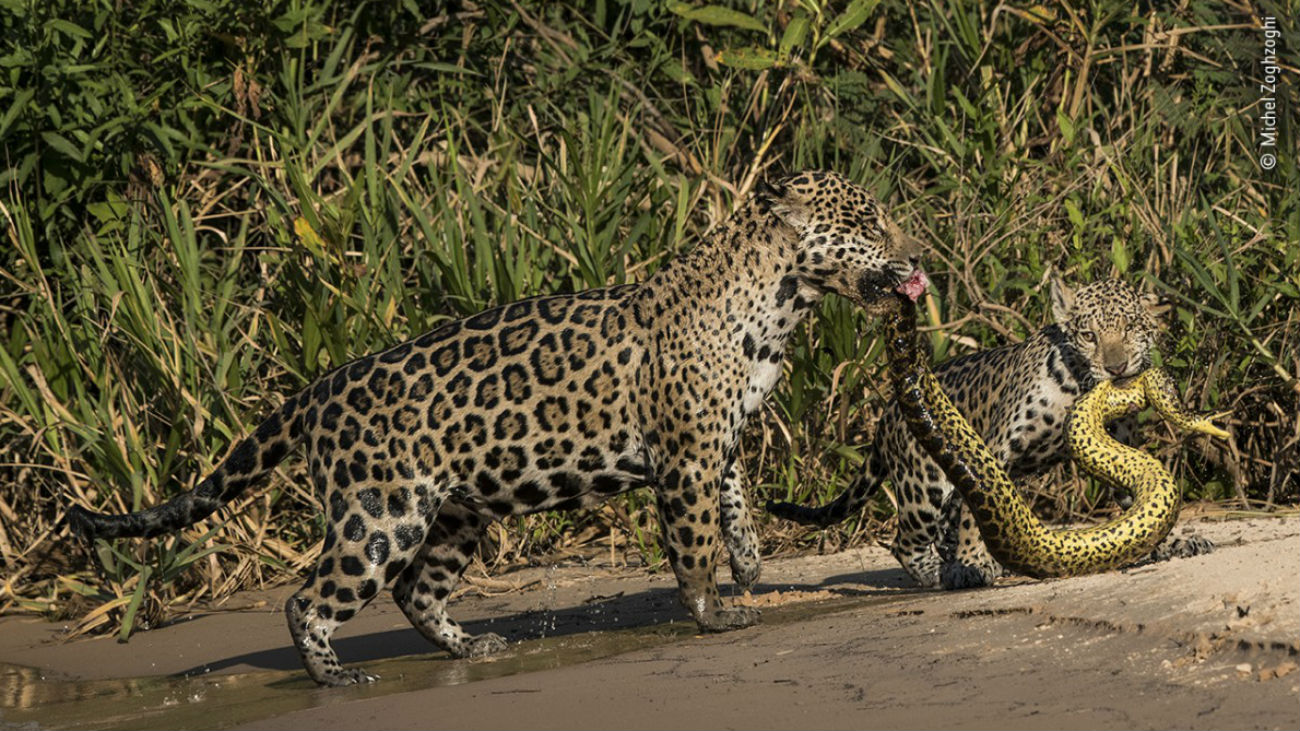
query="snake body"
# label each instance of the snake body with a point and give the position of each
(1013, 534)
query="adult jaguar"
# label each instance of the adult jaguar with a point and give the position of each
(1017, 398)
(553, 403)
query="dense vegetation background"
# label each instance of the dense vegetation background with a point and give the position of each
(206, 203)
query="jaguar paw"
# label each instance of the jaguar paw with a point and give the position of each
(346, 677)
(956, 575)
(725, 620)
(1182, 547)
(485, 644)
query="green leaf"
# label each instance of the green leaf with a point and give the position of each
(795, 34)
(109, 211)
(853, 16)
(966, 107)
(678, 72)
(897, 88)
(848, 453)
(16, 107)
(1066, 125)
(1119, 254)
(718, 15)
(751, 57)
(13, 379)
(68, 28)
(62, 144)
(137, 597)
(1072, 210)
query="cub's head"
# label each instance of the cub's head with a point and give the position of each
(847, 243)
(1111, 325)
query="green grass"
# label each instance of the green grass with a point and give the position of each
(207, 204)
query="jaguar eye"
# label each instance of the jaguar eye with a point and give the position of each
(1088, 337)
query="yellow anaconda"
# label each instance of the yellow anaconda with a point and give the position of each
(1013, 534)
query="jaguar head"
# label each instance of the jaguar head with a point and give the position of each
(1112, 326)
(847, 242)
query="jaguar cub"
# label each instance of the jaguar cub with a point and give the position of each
(1017, 397)
(553, 403)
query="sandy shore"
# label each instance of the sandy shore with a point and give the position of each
(1204, 642)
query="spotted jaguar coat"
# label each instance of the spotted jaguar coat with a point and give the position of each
(554, 403)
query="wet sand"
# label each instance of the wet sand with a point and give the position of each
(1204, 642)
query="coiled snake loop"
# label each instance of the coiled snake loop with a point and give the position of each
(1013, 534)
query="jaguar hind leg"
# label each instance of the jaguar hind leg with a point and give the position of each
(424, 588)
(312, 624)
(374, 533)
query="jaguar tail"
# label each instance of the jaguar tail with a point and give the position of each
(849, 502)
(250, 461)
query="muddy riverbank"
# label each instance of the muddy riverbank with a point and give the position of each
(847, 642)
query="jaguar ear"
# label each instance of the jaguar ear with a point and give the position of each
(769, 191)
(1062, 300)
(782, 199)
(1155, 306)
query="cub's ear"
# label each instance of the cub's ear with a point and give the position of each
(1155, 306)
(787, 204)
(1062, 300)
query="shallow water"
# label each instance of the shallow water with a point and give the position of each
(34, 699)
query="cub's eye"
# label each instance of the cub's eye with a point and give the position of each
(1088, 337)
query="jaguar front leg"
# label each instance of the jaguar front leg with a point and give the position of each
(361, 556)
(738, 528)
(687, 498)
(966, 560)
